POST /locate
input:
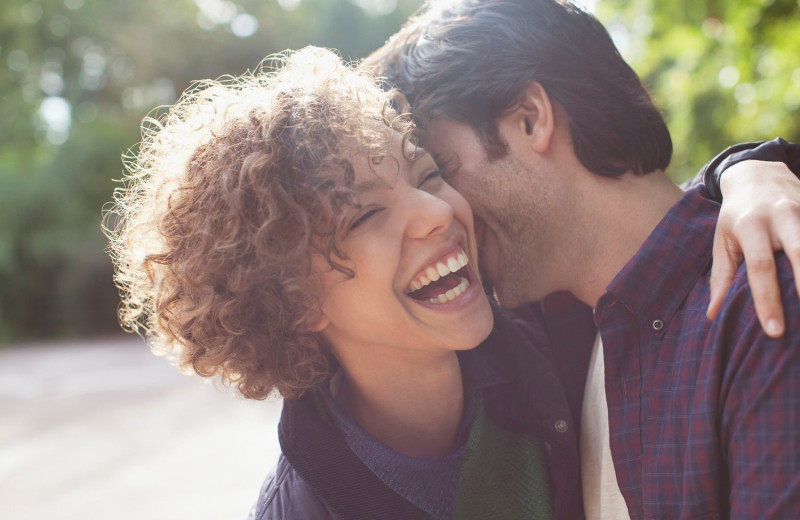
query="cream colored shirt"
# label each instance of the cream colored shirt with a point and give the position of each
(602, 498)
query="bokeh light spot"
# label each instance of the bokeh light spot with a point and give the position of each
(728, 76)
(51, 82)
(17, 60)
(745, 93)
(289, 5)
(796, 76)
(56, 113)
(32, 12)
(713, 28)
(216, 11)
(59, 26)
(376, 8)
(244, 25)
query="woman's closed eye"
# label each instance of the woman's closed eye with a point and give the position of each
(364, 217)
(430, 176)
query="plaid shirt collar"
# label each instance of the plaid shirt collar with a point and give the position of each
(655, 282)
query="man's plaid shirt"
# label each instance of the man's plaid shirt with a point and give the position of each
(704, 417)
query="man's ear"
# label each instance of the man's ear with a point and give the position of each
(535, 118)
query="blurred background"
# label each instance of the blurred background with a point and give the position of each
(91, 424)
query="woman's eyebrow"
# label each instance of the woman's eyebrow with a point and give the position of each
(370, 185)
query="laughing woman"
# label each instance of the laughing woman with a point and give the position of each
(283, 231)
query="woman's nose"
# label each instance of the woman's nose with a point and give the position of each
(429, 215)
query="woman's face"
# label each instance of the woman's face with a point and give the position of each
(412, 247)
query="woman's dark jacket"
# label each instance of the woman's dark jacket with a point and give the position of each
(319, 477)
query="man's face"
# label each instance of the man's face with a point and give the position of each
(518, 206)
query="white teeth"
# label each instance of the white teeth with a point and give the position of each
(433, 273)
(452, 294)
(453, 265)
(460, 288)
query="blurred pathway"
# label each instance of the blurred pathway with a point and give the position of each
(107, 430)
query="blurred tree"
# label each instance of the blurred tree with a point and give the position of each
(76, 77)
(722, 71)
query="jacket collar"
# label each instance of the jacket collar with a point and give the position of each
(315, 447)
(311, 443)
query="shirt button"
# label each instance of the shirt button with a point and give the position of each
(561, 426)
(658, 325)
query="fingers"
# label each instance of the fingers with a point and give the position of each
(727, 258)
(787, 229)
(761, 215)
(762, 275)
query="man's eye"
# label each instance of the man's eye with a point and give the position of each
(435, 174)
(364, 217)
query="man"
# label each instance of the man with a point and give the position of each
(557, 145)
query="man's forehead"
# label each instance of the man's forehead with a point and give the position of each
(441, 134)
(450, 141)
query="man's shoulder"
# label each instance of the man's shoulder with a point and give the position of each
(285, 495)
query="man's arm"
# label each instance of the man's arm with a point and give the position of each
(760, 214)
(777, 150)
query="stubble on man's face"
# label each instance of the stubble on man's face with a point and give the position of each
(520, 245)
(516, 206)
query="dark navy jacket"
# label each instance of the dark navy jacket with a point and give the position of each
(318, 476)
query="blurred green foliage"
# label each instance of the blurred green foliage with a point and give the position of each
(77, 76)
(723, 71)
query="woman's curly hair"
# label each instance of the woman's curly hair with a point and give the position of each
(227, 197)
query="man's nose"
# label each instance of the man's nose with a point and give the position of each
(429, 216)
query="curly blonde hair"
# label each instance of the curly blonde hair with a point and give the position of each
(227, 197)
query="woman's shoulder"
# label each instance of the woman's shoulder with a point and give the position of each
(285, 495)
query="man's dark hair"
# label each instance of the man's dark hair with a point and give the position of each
(471, 61)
